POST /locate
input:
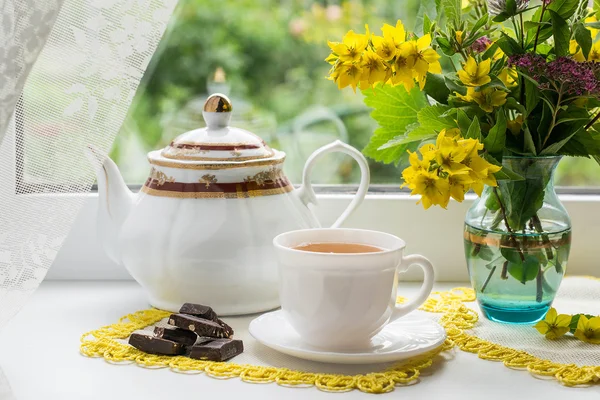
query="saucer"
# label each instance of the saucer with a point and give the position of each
(404, 338)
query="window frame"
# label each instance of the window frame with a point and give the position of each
(81, 257)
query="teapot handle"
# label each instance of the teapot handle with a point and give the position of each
(306, 192)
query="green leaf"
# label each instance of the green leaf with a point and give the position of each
(595, 25)
(583, 37)
(426, 24)
(509, 45)
(510, 254)
(430, 123)
(564, 8)
(522, 200)
(435, 86)
(464, 122)
(511, 7)
(532, 96)
(427, 9)
(503, 16)
(524, 271)
(393, 109)
(528, 140)
(474, 131)
(554, 148)
(490, 52)
(453, 11)
(478, 25)
(495, 141)
(582, 144)
(445, 46)
(505, 174)
(453, 86)
(561, 33)
(513, 104)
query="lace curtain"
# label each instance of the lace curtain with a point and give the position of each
(68, 73)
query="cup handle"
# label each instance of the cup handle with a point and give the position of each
(306, 192)
(400, 310)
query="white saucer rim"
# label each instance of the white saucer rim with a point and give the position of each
(341, 356)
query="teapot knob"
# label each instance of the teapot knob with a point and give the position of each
(217, 111)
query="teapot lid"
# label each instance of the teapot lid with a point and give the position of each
(217, 141)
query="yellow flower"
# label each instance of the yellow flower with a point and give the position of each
(459, 37)
(554, 325)
(452, 132)
(450, 154)
(588, 330)
(425, 59)
(508, 76)
(351, 48)
(578, 54)
(593, 31)
(515, 124)
(396, 34)
(433, 189)
(481, 171)
(487, 98)
(403, 68)
(474, 74)
(384, 47)
(465, 3)
(459, 185)
(373, 69)
(347, 74)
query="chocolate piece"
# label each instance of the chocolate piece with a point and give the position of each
(227, 328)
(155, 345)
(198, 310)
(182, 336)
(200, 326)
(217, 350)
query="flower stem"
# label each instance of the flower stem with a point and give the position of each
(488, 279)
(592, 122)
(539, 293)
(522, 30)
(508, 228)
(554, 115)
(504, 273)
(537, 224)
(537, 33)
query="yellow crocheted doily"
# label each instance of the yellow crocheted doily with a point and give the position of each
(103, 343)
(456, 319)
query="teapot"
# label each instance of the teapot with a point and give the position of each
(201, 228)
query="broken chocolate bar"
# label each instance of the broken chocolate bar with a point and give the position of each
(182, 336)
(155, 345)
(200, 326)
(198, 310)
(227, 328)
(217, 350)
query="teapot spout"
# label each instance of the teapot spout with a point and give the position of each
(115, 201)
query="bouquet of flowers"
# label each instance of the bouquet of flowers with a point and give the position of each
(509, 86)
(485, 96)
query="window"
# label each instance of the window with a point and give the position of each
(268, 56)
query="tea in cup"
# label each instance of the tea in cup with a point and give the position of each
(338, 287)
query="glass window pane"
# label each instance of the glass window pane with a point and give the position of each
(268, 56)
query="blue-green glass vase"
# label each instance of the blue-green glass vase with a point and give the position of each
(517, 240)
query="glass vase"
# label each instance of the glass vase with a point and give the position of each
(517, 240)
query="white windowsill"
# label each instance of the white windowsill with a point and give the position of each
(52, 368)
(435, 233)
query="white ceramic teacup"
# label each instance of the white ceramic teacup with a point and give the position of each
(340, 301)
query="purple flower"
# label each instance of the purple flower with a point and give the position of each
(481, 44)
(564, 73)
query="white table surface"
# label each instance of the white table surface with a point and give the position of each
(39, 354)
